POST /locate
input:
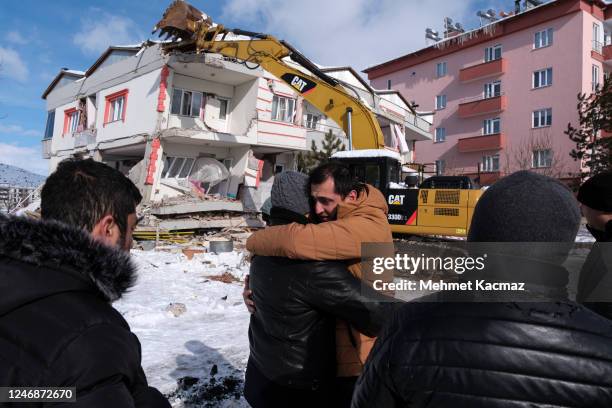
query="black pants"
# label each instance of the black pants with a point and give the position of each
(343, 391)
(260, 392)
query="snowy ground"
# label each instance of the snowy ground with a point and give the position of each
(211, 332)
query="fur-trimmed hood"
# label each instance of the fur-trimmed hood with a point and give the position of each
(68, 258)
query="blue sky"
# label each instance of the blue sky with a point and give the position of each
(40, 37)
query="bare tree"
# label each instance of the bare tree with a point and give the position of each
(521, 156)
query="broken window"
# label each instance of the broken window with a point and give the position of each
(186, 103)
(177, 167)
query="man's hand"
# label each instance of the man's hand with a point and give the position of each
(247, 296)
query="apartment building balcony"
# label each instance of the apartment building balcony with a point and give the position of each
(46, 148)
(84, 138)
(482, 106)
(483, 70)
(495, 141)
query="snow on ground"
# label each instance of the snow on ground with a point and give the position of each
(212, 331)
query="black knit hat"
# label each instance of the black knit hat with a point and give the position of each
(596, 192)
(289, 191)
(525, 207)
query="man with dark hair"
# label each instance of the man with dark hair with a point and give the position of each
(543, 351)
(292, 361)
(350, 213)
(58, 278)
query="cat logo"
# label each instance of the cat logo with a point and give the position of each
(396, 199)
(299, 83)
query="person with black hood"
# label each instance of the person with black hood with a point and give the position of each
(545, 353)
(595, 283)
(58, 278)
(292, 359)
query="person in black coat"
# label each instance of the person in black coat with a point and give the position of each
(292, 334)
(58, 278)
(595, 284)
(505, 354)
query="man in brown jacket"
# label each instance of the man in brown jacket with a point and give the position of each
(349, 214)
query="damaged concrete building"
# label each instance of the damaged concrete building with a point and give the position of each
(196, 125)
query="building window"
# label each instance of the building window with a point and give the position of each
(440, 166)
(71, 120)
(492, 89)
(595, 80)
(223, 108)
(543, 38)
(490, 163)
(116, 105)
(491, 126)
(311, 120)
(186, 103)
(228, 163)
(50, 124)
(493, 53)
(283, 109)
(542, 118)
(441, 69)
(440, 135)
(388, 84)
(177, 167)
(542, 158)
(279, 168)
(542, 78)
(440, 101)
(597, 44)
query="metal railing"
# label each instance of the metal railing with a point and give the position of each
(481, 98)
(84, 138)
(598, 46)
(46, 148)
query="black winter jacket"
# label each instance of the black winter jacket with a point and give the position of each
(501, 355)
(595, 283)
(57, 325)
(292, 333)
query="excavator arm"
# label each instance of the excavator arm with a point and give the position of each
(193, 31)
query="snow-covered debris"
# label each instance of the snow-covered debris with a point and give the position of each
(179, 354)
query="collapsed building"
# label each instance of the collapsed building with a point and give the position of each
(201, 135)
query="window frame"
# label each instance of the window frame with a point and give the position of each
(279, 110)
(164, 174)
(491, 53)
(191, 106)
(69, 126)
(544, 117)
(548, 34)
(595, 77)
(313, 122)
(488, 126)
(110, 100)
(546, 73)
(440, 166)
(538, 161)
(441, 98)
(227, 108)
(49, 125)
(441, 72)
(492, 86)
(437, 138)
(490, 163)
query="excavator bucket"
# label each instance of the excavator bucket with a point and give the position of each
(181, 21)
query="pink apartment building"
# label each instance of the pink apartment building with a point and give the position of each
(502, 95)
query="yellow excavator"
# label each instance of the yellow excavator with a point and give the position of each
(444, 207)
